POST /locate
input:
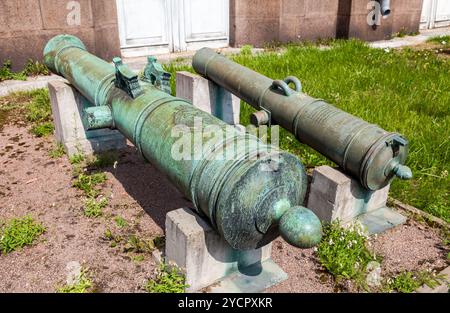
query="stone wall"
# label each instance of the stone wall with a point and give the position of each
(27, 25)
(258, 22)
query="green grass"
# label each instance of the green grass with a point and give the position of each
(39, 113)
(19, 232)
(343, 252)
(77, 159)
(57, 152)
(120, 222)
(83, 284)
(103, 160)
(30, 106)
(442, 40)
(89, 182)
(138, 258)
(408, 282)
(32, 68)
(42, 130)
(167, 280)
(407, 91)
(139, 245)
(94, 208)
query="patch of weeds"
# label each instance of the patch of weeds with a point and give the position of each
(83, 284)
(343, 251)
(408, 282)
(35, 68)
(103, 160)
(32, 68)
(441, 40)
(167, 280)
(403, 90)
(19, 232)
(77, 159)
(159, 242)
(114, 239)
(120, 222)
(38, 112)
(6, 73)
(42, 130)
(89, 182)
(138, 245)
(39, 109)
(246, 50)
(57, 152)
(404, 32)
(138, 258)
(94, 208)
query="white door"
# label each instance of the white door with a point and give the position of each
(162, 26)
(435, 13)
(206, 22)
(144, 26)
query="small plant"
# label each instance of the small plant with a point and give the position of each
(35, 68)
(88, 183)
(39, 109)
(114, 239)
(77, 159)
(19, 232)
(42, 130)
(82, 284)
(120, 222)
(343, 252)
(103, 160)
(57, 152)
(246, 50)
(94, 208)
(408, 282)
(167, 280)
(138, 245)
(138, 258)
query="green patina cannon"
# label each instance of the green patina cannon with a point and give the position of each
(370, 154)
(249, 198)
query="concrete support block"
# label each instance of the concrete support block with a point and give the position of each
(208, 97)
(207, 259)
(336, 196)
(67, 104)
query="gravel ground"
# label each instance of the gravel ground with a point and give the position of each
(33, 183)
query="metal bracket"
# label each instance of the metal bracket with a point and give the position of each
(269, 114)
(126, 79)
(156, 75)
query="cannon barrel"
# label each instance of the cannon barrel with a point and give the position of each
(370, 154)
(245, 201)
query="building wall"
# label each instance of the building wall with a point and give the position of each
(27, 25)
(258, 22)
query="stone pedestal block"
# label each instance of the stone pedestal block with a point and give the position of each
(208, 97)
(67, 104)
(335, 196)
(208, 261)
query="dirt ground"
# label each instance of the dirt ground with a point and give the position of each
(33, 183)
